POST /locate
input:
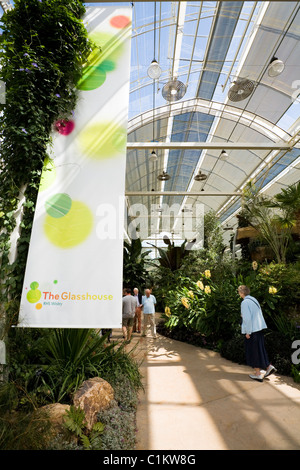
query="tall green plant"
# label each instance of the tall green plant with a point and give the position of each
(134, 264)
(173, 256)
(275, 227)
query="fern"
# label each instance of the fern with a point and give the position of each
(75, 422)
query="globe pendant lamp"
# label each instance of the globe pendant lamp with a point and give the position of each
(276, 67)
(153, 157)
(154, 70)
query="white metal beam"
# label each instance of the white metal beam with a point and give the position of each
(179, 193)
(210, 145)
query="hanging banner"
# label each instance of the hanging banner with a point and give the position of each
(73, 276)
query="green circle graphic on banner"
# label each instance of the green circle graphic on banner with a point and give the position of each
(58, 205)
(93, 77)
(103, 59)
(34, 294)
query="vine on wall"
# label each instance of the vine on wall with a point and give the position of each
(44, 46)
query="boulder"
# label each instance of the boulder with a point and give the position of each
(93, 396)
(56, 413)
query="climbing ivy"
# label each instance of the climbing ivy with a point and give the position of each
(44, 46)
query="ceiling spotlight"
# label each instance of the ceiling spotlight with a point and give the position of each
(200, 177)
(154, 70)
(223, 155)
(174, 90)
(275, 68)
(153, 156)
(163, 177)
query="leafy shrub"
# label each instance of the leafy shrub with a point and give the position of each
(207, 307)
(23, 431)
(119, 428)
(75, 422)
(233, 349)
(48, 366)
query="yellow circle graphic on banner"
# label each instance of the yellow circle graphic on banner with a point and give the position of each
(34, 294)
(71, 229)
(103, 140)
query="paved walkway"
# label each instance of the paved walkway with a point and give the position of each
(196, 400)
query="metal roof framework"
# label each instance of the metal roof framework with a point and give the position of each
(210, 45)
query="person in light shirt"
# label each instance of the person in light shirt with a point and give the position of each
(128, 312)
(149, 302)
(253, 324)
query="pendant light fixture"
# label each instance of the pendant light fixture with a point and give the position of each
(200, 177)
(275, 67)
(164, 176)
(223, 155)
(153, 157)
(154, 70)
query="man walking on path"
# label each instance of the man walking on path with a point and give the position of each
(253, 323)
(149, 302)
(129, 304)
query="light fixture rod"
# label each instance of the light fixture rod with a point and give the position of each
(210, 145)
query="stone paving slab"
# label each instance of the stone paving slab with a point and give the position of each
(194, 399)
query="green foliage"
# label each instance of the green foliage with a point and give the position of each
(289, 199)
(213, 309)
(172, 257)
(296, 373)
(120, 429)
(23, 431)
(76, 346)
(48, 366)
(274, 218)
(76, 424)
(213, 235)
(134, 265)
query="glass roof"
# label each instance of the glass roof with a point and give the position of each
(209, 46)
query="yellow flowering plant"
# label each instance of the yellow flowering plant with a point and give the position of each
(207, 290)
(200, 285)
(272, 290)
(167, 311)
(185, 302)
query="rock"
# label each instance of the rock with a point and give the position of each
(93, 396)
(56, 413)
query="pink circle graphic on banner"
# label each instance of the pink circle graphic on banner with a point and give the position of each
(64, 126)
(120, 21)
